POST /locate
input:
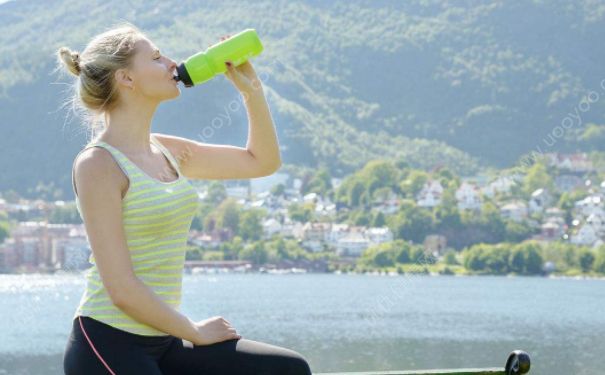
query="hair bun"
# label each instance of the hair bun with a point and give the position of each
(71, 59)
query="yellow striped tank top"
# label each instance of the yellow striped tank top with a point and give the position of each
(157, 218)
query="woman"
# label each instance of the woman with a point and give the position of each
(133, 193)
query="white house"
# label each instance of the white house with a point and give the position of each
(314, 235)
(292, 228)
(589, 205)
(430, 195)
(586, 235)
(387, 207)
(539, 201)
(271, 227)
(379, 235)
(468, 196)
(352, 245)
(338, 231)
(502, 184)
(325, 207)
(579, 162)
(516, 211)
(597, 221)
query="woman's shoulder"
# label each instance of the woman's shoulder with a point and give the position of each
(95, 167)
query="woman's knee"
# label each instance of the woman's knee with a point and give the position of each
(298, 365)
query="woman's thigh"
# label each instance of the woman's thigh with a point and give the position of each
(237, 356)
(112, 353)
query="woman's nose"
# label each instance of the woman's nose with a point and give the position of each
(172, 64)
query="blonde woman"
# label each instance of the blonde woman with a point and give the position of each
(133, 193)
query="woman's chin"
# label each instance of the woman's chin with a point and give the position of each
(173, 94)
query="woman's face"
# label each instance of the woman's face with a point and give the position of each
(152, 72)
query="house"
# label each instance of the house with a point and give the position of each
(579, 162)
(271, 227)
(311, 198)
(589, 205)
(387, 207)
(516, 211)
(597, 221)
(554, 212)
(379, 235)
(338, 231)
(568, 182)
(502, 184)
(292, 228)
(586, 235)
(315, 231)
(468, 196)
(539, 201)
(205, 240)
(430, 195)
(552, 229)
(314, 235)
(352, 245)
(325, 207)
(435, 244)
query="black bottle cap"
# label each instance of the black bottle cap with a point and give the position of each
(183, 76)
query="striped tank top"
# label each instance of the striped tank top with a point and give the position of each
(157, 217)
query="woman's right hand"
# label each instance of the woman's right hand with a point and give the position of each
(214, 329)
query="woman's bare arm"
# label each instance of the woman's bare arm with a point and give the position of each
(260, 157)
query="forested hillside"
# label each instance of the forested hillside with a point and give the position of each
(464, 84)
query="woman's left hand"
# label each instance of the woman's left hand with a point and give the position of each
(243, 77)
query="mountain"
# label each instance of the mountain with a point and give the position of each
(461, 84)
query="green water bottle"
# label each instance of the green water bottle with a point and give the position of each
(204, 65)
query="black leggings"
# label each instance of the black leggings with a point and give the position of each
(114, 351)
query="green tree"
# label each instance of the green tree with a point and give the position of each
(537, 177)
(413, 225)
(4, 231)
(380, 255)
(301, 212)
(320, 183)
(216, 193)
(378, 220)
(255, 252)
(599, 262)
(228, 215)
(250, 226)
(586, 259)
(449, 257)
(526, 258)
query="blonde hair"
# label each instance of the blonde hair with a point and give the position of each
(95, 91)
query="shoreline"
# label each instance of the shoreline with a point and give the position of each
(293, 271)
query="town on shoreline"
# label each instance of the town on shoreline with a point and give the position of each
(546, 219)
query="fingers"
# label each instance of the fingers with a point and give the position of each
(222, 38)
(231, 333)
(230, 69)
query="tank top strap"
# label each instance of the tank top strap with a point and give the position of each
(123, 162)
(166, 153)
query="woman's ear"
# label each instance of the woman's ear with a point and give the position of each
(124, 79)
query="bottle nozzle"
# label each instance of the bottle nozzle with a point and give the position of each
(182, 75)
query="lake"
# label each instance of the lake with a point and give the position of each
(348, 322)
